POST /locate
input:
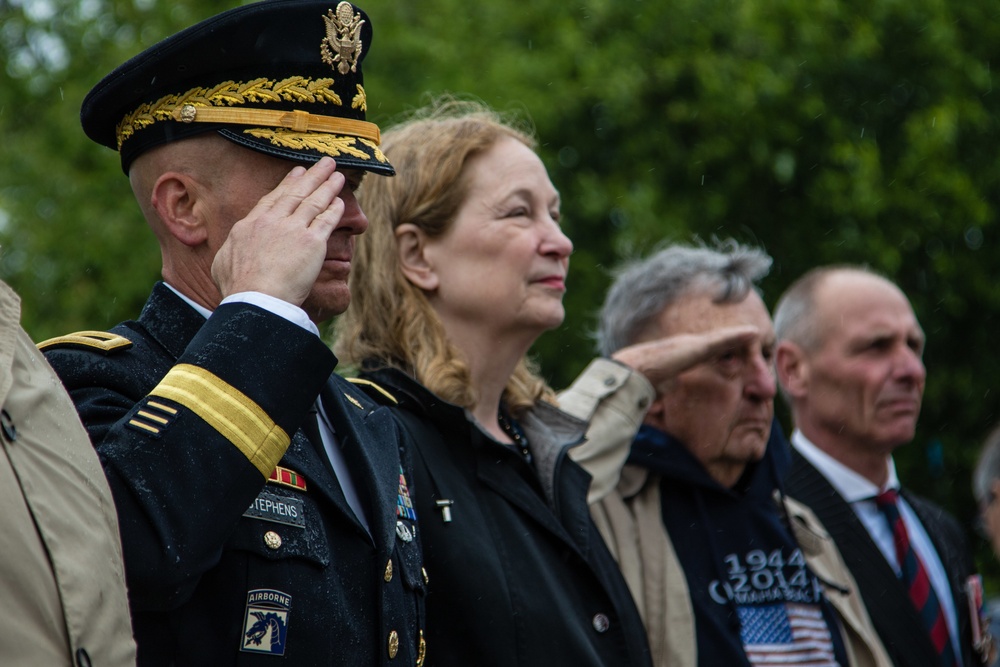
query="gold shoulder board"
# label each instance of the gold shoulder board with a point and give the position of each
(87, 340)
(369, 385)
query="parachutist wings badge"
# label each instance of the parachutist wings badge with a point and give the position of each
(342, 46)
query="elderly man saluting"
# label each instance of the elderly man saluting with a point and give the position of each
(724, 569)
(263, 507)
(849, 360)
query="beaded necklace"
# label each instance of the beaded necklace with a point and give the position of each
(514, 431)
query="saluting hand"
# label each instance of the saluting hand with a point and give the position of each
(280, 246)
(665, 358)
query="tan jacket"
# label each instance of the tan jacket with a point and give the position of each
(625, 504)
(63, 586)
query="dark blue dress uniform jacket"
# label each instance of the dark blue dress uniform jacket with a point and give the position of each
(519, 575)
(188, 419)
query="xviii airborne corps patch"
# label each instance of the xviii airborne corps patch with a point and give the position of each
(266, 624)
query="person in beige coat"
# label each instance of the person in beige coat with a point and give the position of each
(63, 586)
(614, 394)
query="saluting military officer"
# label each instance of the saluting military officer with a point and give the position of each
(263, 501)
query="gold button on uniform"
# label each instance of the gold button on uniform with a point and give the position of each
(272, 540)
(388, 571)
(421, 650)
(393, 644)
(426, 578)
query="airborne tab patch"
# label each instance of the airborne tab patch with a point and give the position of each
(266, 624)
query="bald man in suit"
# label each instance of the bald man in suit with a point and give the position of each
(849, 360)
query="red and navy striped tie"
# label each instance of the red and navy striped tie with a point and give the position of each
(915, 580)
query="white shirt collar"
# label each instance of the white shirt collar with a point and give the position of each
(852, 486)
(272, 304)
(205, 312)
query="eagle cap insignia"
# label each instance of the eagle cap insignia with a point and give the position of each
(341, 48)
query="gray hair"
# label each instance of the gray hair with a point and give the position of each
(795, 312)
(987, 468)
(645, 288)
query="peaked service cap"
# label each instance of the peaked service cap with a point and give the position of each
(281, 77)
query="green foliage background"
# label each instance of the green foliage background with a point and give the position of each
(823, 130)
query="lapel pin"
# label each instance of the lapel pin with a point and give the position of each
(445, 506)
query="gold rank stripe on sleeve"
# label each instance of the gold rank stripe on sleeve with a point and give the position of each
(229, 411)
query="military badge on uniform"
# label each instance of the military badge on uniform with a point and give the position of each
(404, 506)
(355, 402)
(341, 48)
(403, 532)
(287, 477)
(153, 417)
(266, 624)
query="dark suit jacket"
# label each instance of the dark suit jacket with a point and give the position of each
(188, 417)
(888, 603)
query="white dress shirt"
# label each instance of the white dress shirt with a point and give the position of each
(296, 315)
(860, 493)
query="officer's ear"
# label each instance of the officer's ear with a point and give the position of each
(792, 367)
(414, 259)
(176, 198)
